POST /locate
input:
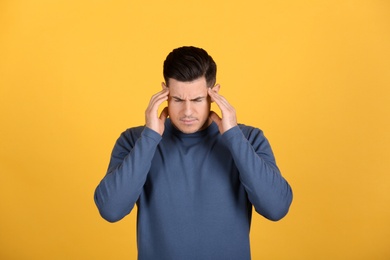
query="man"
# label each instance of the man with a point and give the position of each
(194, 176)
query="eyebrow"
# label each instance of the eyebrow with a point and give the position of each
(193, 99)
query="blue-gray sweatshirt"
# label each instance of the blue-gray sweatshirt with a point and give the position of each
(194, 192)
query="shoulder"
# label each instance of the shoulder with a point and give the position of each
(256, 138)
(254, 135)
(250, 131)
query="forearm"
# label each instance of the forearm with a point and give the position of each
(119, 190)
(267, 190)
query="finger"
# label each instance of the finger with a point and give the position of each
(214, 94)
(221, 102)
(158, 98)
(159, 95)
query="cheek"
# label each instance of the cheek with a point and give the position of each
(173, 108)
(204, 108)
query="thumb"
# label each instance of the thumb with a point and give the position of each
(213, 116)
(164, 114)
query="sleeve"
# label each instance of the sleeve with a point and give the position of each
(130, 162)
(267, 190)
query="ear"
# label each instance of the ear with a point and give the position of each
(163, 85)
(216, 88)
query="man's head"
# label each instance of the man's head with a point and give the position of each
(189, 72)
(189, 63)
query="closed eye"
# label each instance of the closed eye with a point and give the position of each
(199, 99)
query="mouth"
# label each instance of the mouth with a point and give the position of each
(188, 121)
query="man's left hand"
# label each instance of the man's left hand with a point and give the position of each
(228, 119)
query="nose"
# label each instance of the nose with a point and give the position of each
(187, 108)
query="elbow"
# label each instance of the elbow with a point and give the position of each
(277, 210)
(283, 210)
(283, 207)
(109, 216)
(108, 212)
(277, 215)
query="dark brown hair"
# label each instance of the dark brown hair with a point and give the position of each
(189, 63)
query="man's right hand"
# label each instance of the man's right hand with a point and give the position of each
(153, 121)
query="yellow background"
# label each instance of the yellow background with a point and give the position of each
(314, 75)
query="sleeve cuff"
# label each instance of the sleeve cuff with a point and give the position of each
(232, 133)
(147, 132)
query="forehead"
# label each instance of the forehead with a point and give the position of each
(189, 89)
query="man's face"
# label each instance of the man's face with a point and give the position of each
(189, 105)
